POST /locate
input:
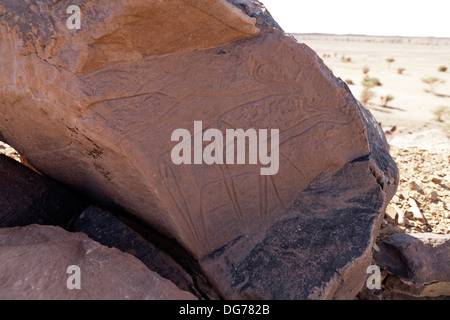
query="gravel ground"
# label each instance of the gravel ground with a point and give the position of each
(422, 201)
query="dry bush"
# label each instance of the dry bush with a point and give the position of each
(442, 114)
(386, 99)
(349, 82)
(433, 82)
(346, 59)
(389, 61)
(366, 96)
(370, 82)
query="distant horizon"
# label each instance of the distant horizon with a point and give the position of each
(364, 35)
(384, 18)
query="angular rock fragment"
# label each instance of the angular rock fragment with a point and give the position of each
(35, 261)
(27, 197)
(420, 264)
(417, 214)
(109, 97)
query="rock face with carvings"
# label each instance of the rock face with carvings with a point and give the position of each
(96, 108)
(36, 260)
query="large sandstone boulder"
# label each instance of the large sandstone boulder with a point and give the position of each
(35, 263)
(95, 108)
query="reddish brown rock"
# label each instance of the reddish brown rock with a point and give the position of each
(419, 263)
(109, 96)
(109, 230)
(35, 260)
(319, 249)
(124, 30)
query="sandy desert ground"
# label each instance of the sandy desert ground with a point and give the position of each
(412, 108)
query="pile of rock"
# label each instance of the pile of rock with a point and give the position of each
(421, 203)
(94, 110)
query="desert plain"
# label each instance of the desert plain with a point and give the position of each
(413, 108)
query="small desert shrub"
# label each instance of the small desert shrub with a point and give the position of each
(365, 70)
(346, 59)
(366, 96)
(389, 61)
(349, 82)
(433, 82)
(400, 70)
(442, 114)
(442, 69)
(370, 82)
(386, 99)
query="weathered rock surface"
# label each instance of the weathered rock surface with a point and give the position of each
(322, 249)
(34, 261)
(109, 96)
(27, 197)
(123, 30)
(420, 263)
(107, 229)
